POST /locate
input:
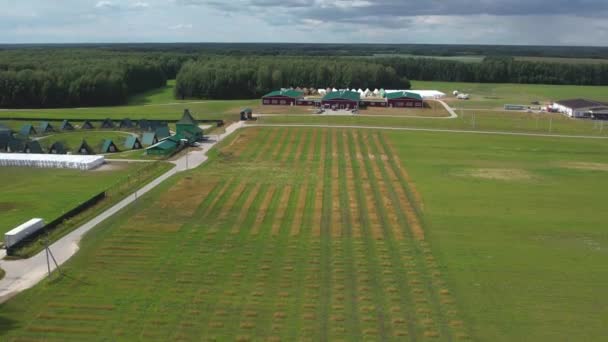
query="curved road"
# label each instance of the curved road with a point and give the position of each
(25, 273)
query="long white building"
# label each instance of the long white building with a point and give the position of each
(582, 108)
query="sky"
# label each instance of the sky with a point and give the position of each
(509, 22)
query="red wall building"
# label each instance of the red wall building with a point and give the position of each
(404, 100)
(282, 98)
(345, 100)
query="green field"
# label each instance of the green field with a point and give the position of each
(44, 193)
(339, 234)
(496, 95)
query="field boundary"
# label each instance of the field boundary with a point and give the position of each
(434, 130)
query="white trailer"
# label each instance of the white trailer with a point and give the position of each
(19, 233)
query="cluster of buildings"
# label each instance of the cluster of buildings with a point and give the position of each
(351, 100)
(155, 136)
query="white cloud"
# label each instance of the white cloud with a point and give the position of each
(140, 5)
(180, 27)
(105, 4)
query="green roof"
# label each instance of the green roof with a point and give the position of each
(107, 143)
(132, 142)
(66, 125)
(86, 147)
(187, 119)
(33, 147)
(246, 110)
(286, 93)
(45, 126)
(163, 145)
(27, 130)
(400, 94)
(148, 138)
(347, 95)
(58, 147)
(162, 132)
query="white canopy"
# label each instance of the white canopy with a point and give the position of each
(57, 161)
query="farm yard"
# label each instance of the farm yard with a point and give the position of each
(325, 234)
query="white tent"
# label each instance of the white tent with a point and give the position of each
(322, 91)
(51, 161)
(376, 91)
(334, 90)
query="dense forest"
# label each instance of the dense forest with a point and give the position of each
(58, 78)
(232, 78)
(98, 75)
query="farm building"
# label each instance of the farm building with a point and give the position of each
(163, 148)
(344, 100)
(373, 103)
(66, 126)
(108, 146)
(143, 124)
(149, 138)
(87, 125)
(133, 143)
(85, 149)
(46, 127)
(282, 97)
(27, 130)
(582, 108)
(15, 145)
(162, 132)
(107, 123)
(404, 99)
(126, 123)
(188, 127)
(57, 148)
(32, 146)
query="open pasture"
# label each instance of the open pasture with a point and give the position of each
(291, 234)
(48, 193)
(495, 96)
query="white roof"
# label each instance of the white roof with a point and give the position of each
(58, 161)
(427, 94)
(27, 224)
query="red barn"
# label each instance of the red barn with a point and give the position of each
(282, 98)
(341, 100)
(404, 99)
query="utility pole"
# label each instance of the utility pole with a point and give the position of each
(550, 125)
(49, 253)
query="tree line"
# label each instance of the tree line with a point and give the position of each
(49, 78)
(46, 77)
(233, 78)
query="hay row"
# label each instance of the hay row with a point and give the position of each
(263, 210)
(245, 209)
(280, 211)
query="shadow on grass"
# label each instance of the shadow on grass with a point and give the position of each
(7, 324)
(144, 98)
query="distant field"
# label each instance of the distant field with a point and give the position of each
(336, 234)
(496, 95)
(48, 193)
(563, 60)
(479, 59)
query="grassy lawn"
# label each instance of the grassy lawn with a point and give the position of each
(358, 234)
(495, 96)
(518, 223)
(48, 193)
(476, 120)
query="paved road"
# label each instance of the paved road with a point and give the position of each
(434, 130)
(23, 274)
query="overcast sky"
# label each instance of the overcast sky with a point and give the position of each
(544, 22)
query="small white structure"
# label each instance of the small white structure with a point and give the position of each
(425, 94)
(463, 96)
(376, 91)
(21, 232)
(322, 92)
(51, 161)
(455, 92)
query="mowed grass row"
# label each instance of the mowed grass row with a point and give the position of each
(291, 234)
